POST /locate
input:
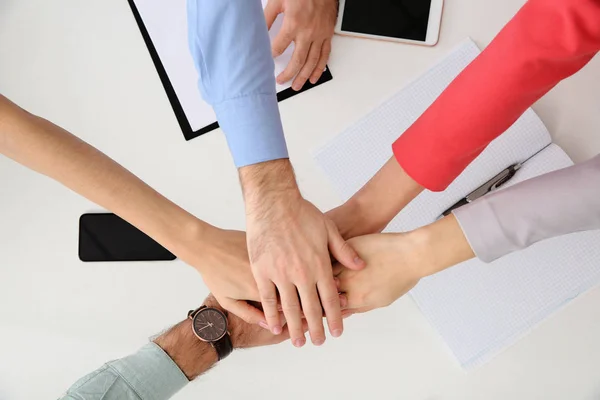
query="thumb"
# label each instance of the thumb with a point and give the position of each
(342, 250)
(271, 13)
(250, 315)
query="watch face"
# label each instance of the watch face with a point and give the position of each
(210, 324)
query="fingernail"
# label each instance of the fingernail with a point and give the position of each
(263, 325)
(299, 342)
(318, 342)
(358, 261)
(276, 330)
(313, 81)
(337, 333)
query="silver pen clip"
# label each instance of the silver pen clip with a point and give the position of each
(486, 188)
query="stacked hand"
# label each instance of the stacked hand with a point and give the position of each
(224, 265)
(289, 243)
(397, 261)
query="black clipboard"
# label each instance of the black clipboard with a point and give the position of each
(188, 132)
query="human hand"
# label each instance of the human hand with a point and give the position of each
(353, 220)
(224, 265)
(195, 357)
(244, 335)
(394, 266)
(372, 208)
(309, 24)
(397, 261)
(289, 242)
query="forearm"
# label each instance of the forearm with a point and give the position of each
(230, 46)
(554, 204)
(193, 356)
(266, 183)
(380, 200)
(155, 372)
(440, 245)
(50, 150)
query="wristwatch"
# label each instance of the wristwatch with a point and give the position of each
(210, 325)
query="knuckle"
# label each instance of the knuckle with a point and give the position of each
(278, 49)
(297, 62)
(290, 306)
(329, 301)
(269, 299)
(293, 25)
(302, 278)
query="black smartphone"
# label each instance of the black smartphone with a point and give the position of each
(107, 237)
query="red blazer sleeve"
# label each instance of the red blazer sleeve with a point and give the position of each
(547, 41)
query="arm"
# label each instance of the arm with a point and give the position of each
(288, 238)
(163, 367)
(554, 204)
(220, 256)
(376, 203)
(547, 41)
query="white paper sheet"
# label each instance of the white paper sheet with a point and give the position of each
(478, 309)
(166, 22)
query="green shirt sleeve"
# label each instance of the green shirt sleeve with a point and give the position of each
(149, 374)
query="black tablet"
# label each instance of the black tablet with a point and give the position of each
(163, 25)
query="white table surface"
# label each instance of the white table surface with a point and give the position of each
(84, 65)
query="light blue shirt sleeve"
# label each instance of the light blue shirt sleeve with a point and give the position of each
(149, 374)
(230, 45)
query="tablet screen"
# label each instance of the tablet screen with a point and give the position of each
(401, 19)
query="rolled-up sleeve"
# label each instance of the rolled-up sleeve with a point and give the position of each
(230, 45)
(149, 374)
(554, 204)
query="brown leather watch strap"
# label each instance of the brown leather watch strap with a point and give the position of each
(223, 346)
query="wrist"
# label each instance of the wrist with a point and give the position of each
(385, 195)
(193, 238)
(268, 182)
(192, 356)
(441, 245)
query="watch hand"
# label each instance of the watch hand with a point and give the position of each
(207, 326)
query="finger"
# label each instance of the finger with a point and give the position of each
(322, 64)
(347, 313)
(341, 250)
(331, 304)
(272, 10)
(285, 335)
(338, 269)
(281, 42)
(343, 301)
(296, 63)
(337, 283)
(245, 311)
(268, 298)
(313, 313)
(309, 66)
(293, 315)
